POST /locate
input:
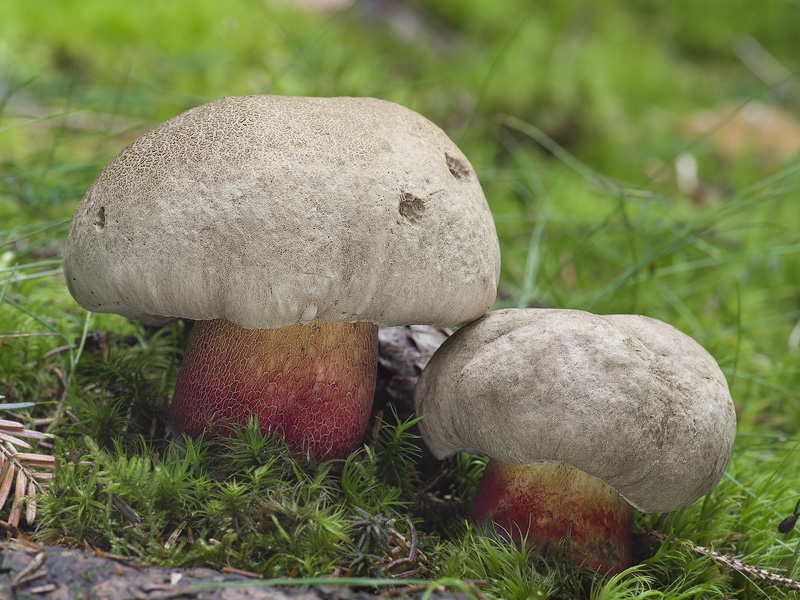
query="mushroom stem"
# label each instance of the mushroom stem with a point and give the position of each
(313, 384)
(543, 504)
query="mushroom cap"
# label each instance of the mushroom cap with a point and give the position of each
(625, 398)
(269, 210)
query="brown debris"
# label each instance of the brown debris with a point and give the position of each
(769, 132)
(57, 573)
(402, 354)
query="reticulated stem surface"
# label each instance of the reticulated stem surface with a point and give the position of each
(313, 384)
(544, 504)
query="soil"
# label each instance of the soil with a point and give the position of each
(52, 573)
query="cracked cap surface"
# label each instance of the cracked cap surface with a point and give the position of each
(625, 398)
(271, 210)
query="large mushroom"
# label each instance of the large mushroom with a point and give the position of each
(289, 229)
(582, 416)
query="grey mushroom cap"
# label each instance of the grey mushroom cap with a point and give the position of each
(270, 210)
(625, 398)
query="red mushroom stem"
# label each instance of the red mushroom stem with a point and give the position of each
(313, 384)
(547, 503)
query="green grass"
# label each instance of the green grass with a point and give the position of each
(573, 113)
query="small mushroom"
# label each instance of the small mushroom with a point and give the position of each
(582, 416)
(289, 229)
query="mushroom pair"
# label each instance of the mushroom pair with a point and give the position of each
(582, 416)
(288, 229)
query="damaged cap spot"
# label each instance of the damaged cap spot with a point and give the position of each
(459, 169)
(100, 219)
(411, 207)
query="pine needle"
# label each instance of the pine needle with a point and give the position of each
(737, 565)
(27, 472)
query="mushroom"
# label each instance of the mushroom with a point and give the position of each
(582, 416)
(289, 229)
